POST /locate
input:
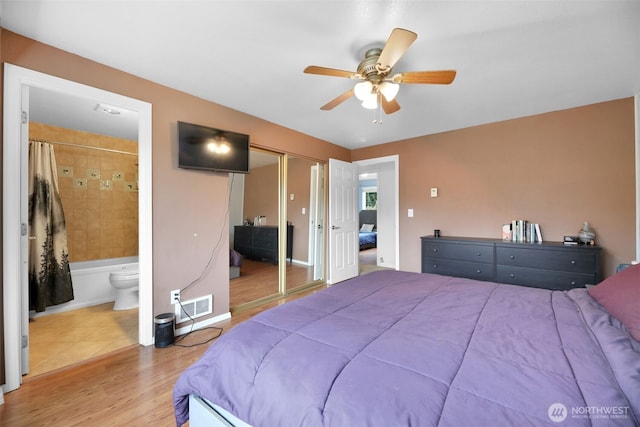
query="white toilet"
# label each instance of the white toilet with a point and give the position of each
(125, 282)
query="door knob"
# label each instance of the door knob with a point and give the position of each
(333, 227)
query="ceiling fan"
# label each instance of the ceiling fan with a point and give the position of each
(378, 85)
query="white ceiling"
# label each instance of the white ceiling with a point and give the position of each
(513, 58)
(84, 114)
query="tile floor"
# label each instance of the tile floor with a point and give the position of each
(63, 339)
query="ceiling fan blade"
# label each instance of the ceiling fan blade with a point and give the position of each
(396, 45)
(324, 71)
(389, 107)
(443, 77)
(337, 101)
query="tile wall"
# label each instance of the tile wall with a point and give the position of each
(99, 192)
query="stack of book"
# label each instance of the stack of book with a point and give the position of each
(571, 240)
(521, 230)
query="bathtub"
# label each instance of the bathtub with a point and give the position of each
(91, 283)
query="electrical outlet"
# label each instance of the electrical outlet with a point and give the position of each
(175, 296)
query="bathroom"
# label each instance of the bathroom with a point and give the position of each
(97, 181)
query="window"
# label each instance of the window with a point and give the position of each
(370, 197)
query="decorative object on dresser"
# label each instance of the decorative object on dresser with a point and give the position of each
(261, 243)
(549, 265)
(586, 235)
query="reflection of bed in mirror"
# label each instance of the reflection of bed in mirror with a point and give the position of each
(368, 229)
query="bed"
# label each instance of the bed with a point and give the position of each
(368, 234)
(400, 348)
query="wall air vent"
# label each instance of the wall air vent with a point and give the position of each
(194, 308)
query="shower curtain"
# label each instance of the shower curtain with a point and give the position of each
(49, 273)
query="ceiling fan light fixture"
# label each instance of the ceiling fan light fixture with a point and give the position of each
(363, 90)
(388, 90)
(371, 101)
(375, 78)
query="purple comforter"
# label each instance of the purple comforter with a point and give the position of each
(396, 348)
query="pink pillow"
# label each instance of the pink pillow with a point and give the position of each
(620, 295)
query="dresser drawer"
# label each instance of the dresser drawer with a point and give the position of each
(265, 238)
(550, 265)
(458, 251)
(547, 279)
(560, 260)
(446, 267)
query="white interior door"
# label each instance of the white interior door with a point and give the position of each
(343, 221)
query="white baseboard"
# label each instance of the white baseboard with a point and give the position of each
(202, 324)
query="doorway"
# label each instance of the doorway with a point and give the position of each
(368, 207)
(343, 215)
(386, 171)
(18, 82)
(96, 176)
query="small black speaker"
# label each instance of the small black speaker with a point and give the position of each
(164, 329)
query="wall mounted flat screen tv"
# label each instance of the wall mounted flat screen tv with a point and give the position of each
(206, 148)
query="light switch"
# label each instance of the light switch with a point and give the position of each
(304, 211)
(434, 192)
(292, 196)
(410, 213)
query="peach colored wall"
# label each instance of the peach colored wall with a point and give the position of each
(299, 184)
(261, 198)
(101, 211)
(557, 169)
(261, 194)
(185, 202)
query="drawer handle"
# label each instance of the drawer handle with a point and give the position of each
(478, 271)
(435, 249)
(512, 275)
(512, 257)
(573, 282)
(435, 265)
(573, 262)
(478, 254)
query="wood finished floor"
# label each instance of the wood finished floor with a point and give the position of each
(121, 384)
(64, 339)
(131, 387)
(260, 279)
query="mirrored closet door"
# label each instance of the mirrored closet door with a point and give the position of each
(276, 217)
(254, 219)
(305, 222)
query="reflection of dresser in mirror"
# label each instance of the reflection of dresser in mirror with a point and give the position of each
(261, 243)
